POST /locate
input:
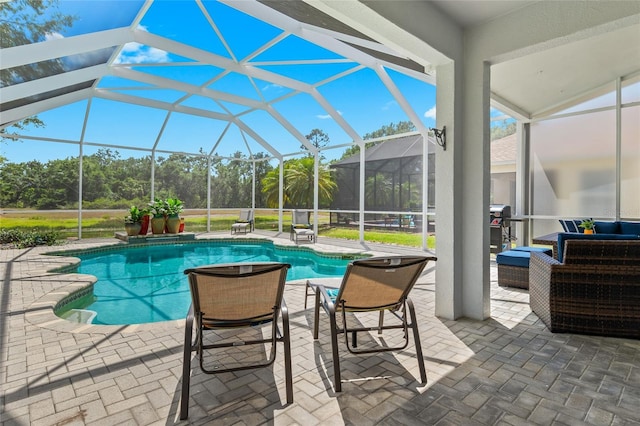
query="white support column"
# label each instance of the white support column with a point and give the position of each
(153, 175)
(209, 193)
(618, 146)
(280, 193)
(462, 194)
(362, 193)
(448, 196)
(253, 186)
(80, 173)
(316, 177)
(476, 189)
(81, 166)
(425, 190)
(523, 229)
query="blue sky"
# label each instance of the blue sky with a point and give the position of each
(360, 98)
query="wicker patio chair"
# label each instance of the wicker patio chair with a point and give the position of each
(372, 285)
(235, 296)
(594, 290)
(244, 221)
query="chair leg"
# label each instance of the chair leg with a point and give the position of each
(334, 348)
(381, 322)
(306, 293)
(316, 314)
(186, 367)
(287, 353)
(416, 337)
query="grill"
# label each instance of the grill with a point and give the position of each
(500, 216)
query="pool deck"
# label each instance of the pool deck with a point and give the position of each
(508, 369)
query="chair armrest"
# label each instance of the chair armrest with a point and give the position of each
(540, 267)
(321, 298)
(284, 313)
(322, 290)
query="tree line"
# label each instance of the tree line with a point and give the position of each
(112, 182)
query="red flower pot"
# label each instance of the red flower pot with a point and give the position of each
(145, 225)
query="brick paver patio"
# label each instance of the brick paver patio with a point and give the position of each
(506, 370)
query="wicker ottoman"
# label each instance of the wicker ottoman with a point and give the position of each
(513, 266)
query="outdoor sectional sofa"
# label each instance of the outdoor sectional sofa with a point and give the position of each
(593, 288)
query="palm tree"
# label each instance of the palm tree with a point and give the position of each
(378, 192)
(299, 184)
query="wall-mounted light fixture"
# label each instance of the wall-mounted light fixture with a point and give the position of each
(441, 136)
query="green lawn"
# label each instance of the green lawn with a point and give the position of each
(384, 237)
(105, 224)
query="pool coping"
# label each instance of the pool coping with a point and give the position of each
(41, 312)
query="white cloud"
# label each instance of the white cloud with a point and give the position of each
(327, 116)
(88, 59)
(53, 36)
(272, 86)
(388, 105)
(137, 53)
(431, 113)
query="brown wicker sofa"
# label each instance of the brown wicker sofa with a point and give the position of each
(596, 290)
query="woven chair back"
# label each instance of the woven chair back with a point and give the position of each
(300, 217)
(237, 294)
(246, 215)
(379, 283)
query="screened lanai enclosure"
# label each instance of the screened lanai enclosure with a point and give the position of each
(393, 182)
(131, 104)
(276, 105)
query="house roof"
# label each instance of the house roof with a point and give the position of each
(402, 148)
(504, 150)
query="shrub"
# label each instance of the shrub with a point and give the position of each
(23, 239)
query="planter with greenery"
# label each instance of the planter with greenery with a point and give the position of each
(158, 210)
(588, 226)
(173, 208)
(133, 222)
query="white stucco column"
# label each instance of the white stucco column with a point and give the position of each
(475, 166)
(462, 192)
(448, 195)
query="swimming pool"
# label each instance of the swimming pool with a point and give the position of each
(147, 283)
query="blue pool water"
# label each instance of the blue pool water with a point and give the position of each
(147, 284)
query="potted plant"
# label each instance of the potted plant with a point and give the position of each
(588, 226)
(158, 209)
(173, 208)
(145, 221)
(133, 222)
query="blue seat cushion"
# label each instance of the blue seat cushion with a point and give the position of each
(630, 228)
(607, 228)
(333, 293)
(514, 258)
(536, 249)
(563, 236)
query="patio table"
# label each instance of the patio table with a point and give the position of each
(548, 240)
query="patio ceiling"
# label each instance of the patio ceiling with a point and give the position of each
(558, 72)
(548, 81)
